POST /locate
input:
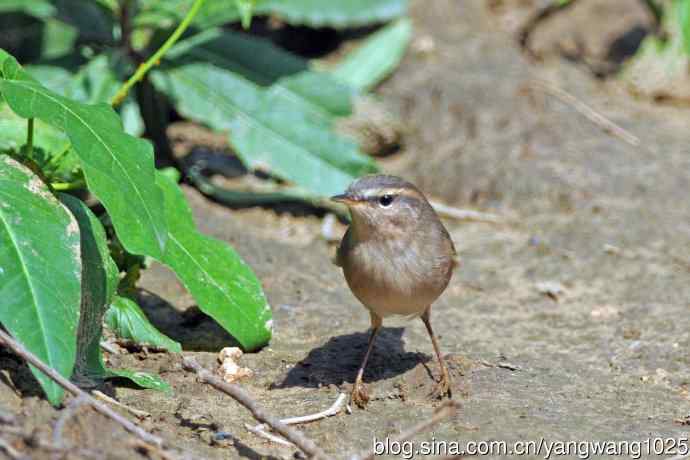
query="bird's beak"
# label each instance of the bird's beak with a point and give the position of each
(343, 198)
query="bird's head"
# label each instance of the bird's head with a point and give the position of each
(384, 205)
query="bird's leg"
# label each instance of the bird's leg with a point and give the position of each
(443, 387)
(359, 394)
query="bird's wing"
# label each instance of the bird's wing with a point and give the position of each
(339, 259)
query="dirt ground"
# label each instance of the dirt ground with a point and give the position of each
(600, 224)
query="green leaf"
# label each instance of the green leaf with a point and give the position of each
(314, 13)
(93, 21)
(118, 168)
(318, 94)
(99, 278)
(333, 13)
(223, 285)
(40, 271)
(38, 8)
(96, 81)
(245, 8)
(143, 379)
(377, 57)
(239, 53)
(163, 14)
(682, 8)
(13, 129)
(268, 132)
(128, 321)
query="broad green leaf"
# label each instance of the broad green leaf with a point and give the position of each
(315, 13)
(223, 285)
(118, 168)
(126, 320)
(40, 271)
(96, 81)
(168, 13)
(245, 8)
(318, 93)
(268, 132)
(93, 21)
(256, 59)
(682, 9)
(377, 57)
(143, 379)
(38, 8)
(13, 129)
(99, 278)
(58, 39)
(289, 77)
(48, 142)
(315, 93)
(333, 13)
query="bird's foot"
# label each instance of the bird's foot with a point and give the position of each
(359, 395)
(442, 388)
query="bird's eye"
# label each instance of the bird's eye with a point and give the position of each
(385, 200)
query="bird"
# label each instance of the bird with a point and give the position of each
(397, 258)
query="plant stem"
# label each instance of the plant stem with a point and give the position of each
(158, 55)
(30, 138)
(64, 186)
(54, 160)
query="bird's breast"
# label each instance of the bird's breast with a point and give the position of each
(398, 276)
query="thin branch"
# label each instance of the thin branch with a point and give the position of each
(330, 412)
(260, 431)
(238, 394)
(101, 408)
(592, 115)
(11, 452)
(448, 409)
(335, 408)
(452, 212)
(140, 414)
(30, 138)
(69, 412)
(157, 56)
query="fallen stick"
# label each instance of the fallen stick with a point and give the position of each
(335, 408)
(237, 393)
(140, 414)
(452, 212)
(69, 412)
(101, 408)
(592, 115)
(262, 433)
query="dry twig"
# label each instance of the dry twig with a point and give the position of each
(101, 408)
(452, 212)
(140, 414)
(260, 431)
(11, 452)
(592, 115)
(236, 392)
(335, 408)
(69, 412)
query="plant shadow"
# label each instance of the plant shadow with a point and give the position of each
(193, 329)
(338, 360)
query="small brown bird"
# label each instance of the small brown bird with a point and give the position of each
(397, 258)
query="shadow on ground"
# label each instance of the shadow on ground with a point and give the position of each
(338, 360)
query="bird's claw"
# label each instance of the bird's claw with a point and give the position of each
(359, 395)
(442, 388)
